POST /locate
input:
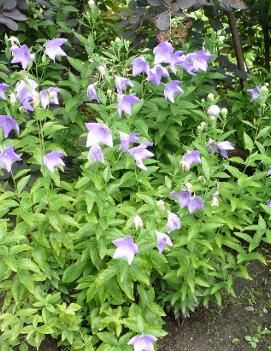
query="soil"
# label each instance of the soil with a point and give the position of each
(222, 329)
(225, 330)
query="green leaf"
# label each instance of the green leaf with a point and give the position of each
(73, 272)
(249, 144)
(22, 183)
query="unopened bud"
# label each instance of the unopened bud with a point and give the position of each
(189, 186)
(202, 179)
(102, 70)
(202, 126)
(14, 42)
(12, 98)
(185, 166)
(215, 199)
(161, 205)
(264, 90)
(91, 3)
(214, 111)
(211, 97)
(138, 222)
(266, 84)
(224, 111)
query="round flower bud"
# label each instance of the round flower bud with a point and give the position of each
(138, 223)
(189, 186)
(14, 42)
(211, 97)
(213, 118)
(224, 111)
(12, 98)
(102, 70)
(266, 84)
(202, 126)
(91, 3)
(161, 205)
(215, 199)
(214, 111)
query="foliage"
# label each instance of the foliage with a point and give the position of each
(58, 274)
(10, 13)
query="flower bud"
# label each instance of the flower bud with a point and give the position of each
(161, 205)
(185, 166)
(202, 179)
(211, 97)
(213, 118)
(266, 84)
(215, 199)
(224, 111)
(14, 42)
(91, 3)
(12, 98)
(102, 70)
(189, 187)
(214, 111)
(202, 126)
(138, 222)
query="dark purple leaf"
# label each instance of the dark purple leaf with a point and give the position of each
(8, 22)
(15, 14)
(185, 4)
(163, 21)
(8, 4)
(155, 2)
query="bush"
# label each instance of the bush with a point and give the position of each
(84, 254)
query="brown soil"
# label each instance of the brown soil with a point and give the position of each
(225, 329)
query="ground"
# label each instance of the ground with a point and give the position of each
(214, 329)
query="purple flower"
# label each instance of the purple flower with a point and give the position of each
(49, 96)
(140, 152)
(163, 52)
(26, 92)
(8, 157)
(195, 203)
(183, 197)
(53, 48)
(99, 133)
(22, 55)
(140, 65)
(3, 87)
(125, 103)
(196, 61)
(96, 154)
(53, 159)
(126, 248)
(269, 173)
(122, 84)
(222, 147)
(162, 241)
(143, 342)
(7, 123)
(171, 89)
(173, 222)
(127, 139)
(254, 93)
(156, 74)
(189, 158)
(268, 203)
(91, 93)
(175, 60)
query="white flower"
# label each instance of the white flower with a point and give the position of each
(215, 199)
(138, 222)
(161, 205)
(224, 111)
(91, 3)
(211, 97)
(189, 187)
(214, 111)
(102, 70)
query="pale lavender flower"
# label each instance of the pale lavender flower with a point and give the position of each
(175, 60)
(8, 157)
(222, 147)
(269, 173)
(254, 92)
(91, 93)
(7, 123)
(156, 74)
(194, 62)
(96, 154)
(140, 65)
(126, 248)
(3, 87)
(143, 342)
(138, 222)
(125, 103)
(22, 55)
(127, 139)
(183, 197)
(268, 203)
(53, 159)
(173, 222)
(49, 96)
(99, 133)
(163, 52)
(171, 89)
(122, 83)
(189, 158)
(26, 92)
(163, 240)
(195, 203)
(140, 152)
(53, 48)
